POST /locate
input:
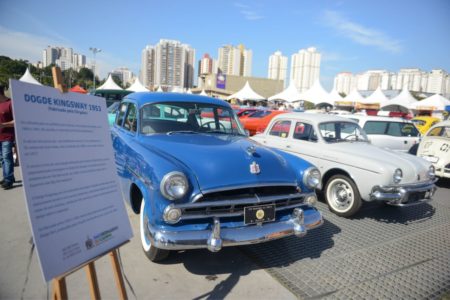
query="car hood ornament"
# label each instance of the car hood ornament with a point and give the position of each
(254, 168)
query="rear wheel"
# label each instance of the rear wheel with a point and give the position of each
(342, 196)
(153, 253)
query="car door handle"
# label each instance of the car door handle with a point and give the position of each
(406, 142)
(288, 146)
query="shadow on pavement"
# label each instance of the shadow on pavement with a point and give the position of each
(393, 214)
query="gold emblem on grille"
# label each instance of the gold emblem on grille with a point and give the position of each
(259, 214)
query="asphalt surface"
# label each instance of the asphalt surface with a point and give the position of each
(383, 252)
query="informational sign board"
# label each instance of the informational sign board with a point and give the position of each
(71, 187)
(221, 81)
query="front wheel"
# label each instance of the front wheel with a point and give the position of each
(342, 196)
(153, 253)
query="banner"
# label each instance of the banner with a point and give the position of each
(221, 81)
(72, 192)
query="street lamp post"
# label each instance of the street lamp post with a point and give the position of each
(94, 51)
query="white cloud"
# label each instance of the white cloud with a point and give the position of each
(361, 34)
(248, 13)
(23, 45)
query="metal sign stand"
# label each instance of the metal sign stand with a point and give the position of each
(59, 287)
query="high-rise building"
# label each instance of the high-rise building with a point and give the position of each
(278, 67)
(437, 82)
(168, 64)
(305, 68)
(235, 60)
(207, 65)
(344, 82)
(124, 74)
(65, 58)
(409, 78)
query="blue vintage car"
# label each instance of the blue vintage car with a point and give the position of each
(187, 167)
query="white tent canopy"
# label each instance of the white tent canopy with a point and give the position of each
(110, 85)
(189, 91)
(137, 87)
(316, 94)
(435, 102)
(353, 97)
(246, 93)
(402, 102)
(334, 97)
(177, 89)
(203, 93)
(377, 97)
(27, 77)
(291, 94)
(159, 90)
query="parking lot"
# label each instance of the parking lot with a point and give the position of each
(383, 252)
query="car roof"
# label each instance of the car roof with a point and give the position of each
(377, 118)
(153, 97)
(315, 118)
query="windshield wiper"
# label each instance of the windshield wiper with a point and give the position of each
(182, 131)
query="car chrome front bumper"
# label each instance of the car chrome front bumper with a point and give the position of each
(301, 220)
(404, 195)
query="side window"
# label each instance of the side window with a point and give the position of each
(373, 127)
(304, 132)
(280, 128)
(121, 114)
(409, 130)
(130, 120)
(394, 129)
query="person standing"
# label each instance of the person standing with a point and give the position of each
(6, 140)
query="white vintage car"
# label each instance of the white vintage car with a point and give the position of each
(352, 169)
(435, 147)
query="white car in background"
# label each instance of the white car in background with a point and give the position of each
(435, 147)
(394, 133)
(352, 169)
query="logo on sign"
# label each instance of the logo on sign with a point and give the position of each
(254, 168)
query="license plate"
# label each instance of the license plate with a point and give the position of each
(259, 214)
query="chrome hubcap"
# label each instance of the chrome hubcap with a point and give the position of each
(340, 195)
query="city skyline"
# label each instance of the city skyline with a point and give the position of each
(351, 36)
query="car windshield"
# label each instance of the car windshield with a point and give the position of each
(259, 114)
(113, 108)
(336, 132)
(188, 118)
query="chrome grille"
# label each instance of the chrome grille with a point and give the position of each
(232, 203)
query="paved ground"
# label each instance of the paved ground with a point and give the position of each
(384, 252)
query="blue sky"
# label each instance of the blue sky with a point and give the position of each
(351, 35)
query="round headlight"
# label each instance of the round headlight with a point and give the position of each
(431, 172)
(174, 185)
(172, 215)
(311, 200)
(398, 175)
(311, 178)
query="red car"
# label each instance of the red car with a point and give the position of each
(259, 120)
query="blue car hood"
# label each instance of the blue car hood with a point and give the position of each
(221, 161)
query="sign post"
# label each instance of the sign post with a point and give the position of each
(71, 188)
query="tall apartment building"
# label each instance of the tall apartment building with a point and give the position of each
(235, 60)
(305, 68)
(207, 65)
(169, 64)
(278, 67)
(124, 74)
(437, 81)
(64, 58)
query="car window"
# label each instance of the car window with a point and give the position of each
(121, 115)
(280, 128)
(419, 122)
(304, 132)
(375, 127)
(408, 129)
(394, 129)
(336, 132)
(130, 120)
(443, 131)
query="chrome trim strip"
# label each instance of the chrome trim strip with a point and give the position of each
(196, 197)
